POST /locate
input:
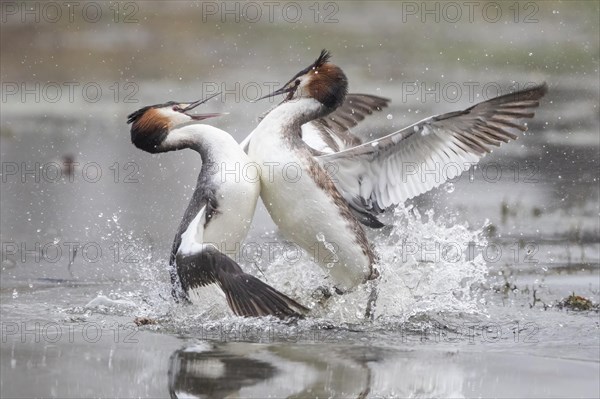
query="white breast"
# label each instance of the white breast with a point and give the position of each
(304, 212)
(236, 182)
(237, 194)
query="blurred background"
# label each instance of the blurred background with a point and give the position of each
(72, 72)
(71, 75)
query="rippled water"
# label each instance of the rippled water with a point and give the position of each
(472, 272)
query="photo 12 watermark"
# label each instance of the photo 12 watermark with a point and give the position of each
(69, 92)
(513, 252)
(239, 92)
(455, 92)
(52, 12)
(33, 331)
(66, 251)
(69, 170)
(263, 333)
(474, 333)
(453, 12)
(253, 12)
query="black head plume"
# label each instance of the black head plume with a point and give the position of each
(134, 116)
(323, 58)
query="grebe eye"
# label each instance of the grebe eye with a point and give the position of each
(297, 82)
(176, 108)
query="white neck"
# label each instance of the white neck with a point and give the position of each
(205, 139)
(295, 112)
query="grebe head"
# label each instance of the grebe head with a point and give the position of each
(151, 125)
(321, 80)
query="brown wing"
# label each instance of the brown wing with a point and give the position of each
(332, 132)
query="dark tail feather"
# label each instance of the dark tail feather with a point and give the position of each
(366, 218)
(363, 215)
(246, 295)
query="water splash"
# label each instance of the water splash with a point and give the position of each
(424, 263)
(426, 266)
(330, 248)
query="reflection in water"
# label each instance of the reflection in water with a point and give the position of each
(203, 371)
(255, 370)
(327, 370)
(248, 370)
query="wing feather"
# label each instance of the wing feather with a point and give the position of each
(411, 161)
(337, 125)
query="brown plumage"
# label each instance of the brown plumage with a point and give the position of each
(328, 84)
(150, 121)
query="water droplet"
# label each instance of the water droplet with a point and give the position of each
(449, 187)
(417, 214)
(390, 117)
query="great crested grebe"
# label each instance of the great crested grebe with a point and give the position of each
(320, 208)
(218, 215)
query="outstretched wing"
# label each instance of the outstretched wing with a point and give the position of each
(384, 172)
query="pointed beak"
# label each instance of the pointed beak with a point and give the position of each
(199, 117)
(285, 89)
(196, 103)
